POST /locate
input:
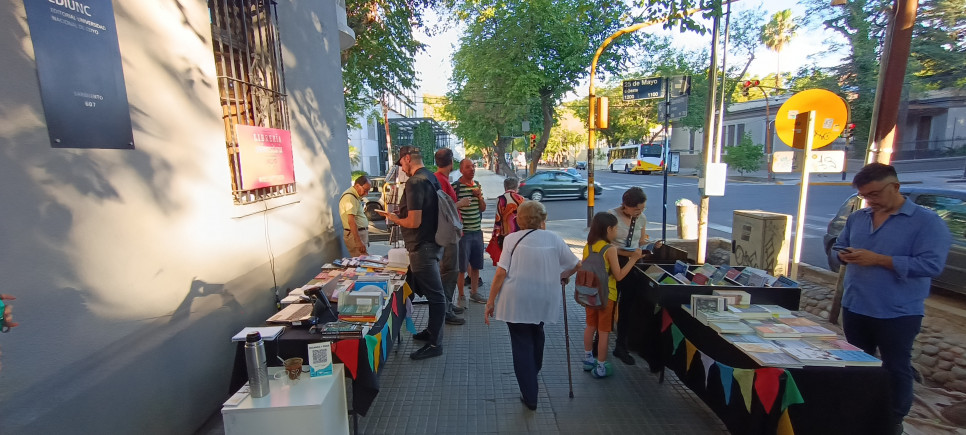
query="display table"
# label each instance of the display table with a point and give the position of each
(307, 405)
(835, 400)
(362, 357)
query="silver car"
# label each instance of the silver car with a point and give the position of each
(949, 204)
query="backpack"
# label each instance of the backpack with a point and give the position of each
(591, 284)
(508, 218)
(449, 226)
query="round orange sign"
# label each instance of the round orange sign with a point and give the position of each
(831, 115)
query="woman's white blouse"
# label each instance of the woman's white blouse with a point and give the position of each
(531, 291)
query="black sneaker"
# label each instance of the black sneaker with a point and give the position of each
(469, 282)
(458, 310)
(424, 335)
(532, 407)
(427, 351)
(625, 357)
(453, 320)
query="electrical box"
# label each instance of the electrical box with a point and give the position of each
(762, 240)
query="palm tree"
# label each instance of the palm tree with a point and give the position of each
(776, 34)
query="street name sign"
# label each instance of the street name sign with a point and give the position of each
(643, 89)
(827, 162)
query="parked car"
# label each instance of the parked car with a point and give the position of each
(555, 184)
(573, 171)
(582, 166)
(374, 200)
(949, 204)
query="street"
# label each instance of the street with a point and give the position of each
(823, 203)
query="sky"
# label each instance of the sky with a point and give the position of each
(434, 64)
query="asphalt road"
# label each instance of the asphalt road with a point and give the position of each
(823, 202)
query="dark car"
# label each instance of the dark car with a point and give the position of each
(573, 171)
(582, 166)
(374, 200)
(555, 184)
(949, 204)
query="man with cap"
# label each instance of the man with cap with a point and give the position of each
(418, 220)
(354, 221)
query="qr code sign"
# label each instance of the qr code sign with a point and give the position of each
(320, 356)
(320, 359)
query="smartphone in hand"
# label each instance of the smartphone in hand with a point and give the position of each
(843, 250)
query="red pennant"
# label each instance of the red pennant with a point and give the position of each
(348, 353)
(766, 385)
(665, 320)
(392, 302)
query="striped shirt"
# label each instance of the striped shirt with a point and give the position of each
(472, 216)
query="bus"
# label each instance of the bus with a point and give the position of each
(636, 159)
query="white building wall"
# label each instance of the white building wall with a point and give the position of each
(133, 268)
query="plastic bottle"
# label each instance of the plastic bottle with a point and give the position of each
(255, 359)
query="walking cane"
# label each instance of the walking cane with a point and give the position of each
(570, 378)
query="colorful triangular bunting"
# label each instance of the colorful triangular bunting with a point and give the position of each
(792, 396)
(676, 337)
(371, 345)
(348, 353)
(707, 362)
(745, 378)
(691, 350)
(785, 425)
(766, 385)
(665, 320)
(377, 358)
(726, 377)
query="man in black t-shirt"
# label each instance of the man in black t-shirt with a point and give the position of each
(418, 220)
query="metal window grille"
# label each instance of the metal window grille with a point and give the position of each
(248, 58)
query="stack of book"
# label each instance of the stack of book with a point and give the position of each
(342, 330)
(360, 313)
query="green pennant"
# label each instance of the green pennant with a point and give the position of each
(792, 396)
(677, 337)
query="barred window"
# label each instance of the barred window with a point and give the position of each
(248, 59)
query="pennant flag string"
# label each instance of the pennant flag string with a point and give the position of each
(745, 378)
(766, 385)
(665, 320)
(792, 395)
(676, 336)
(691, 350)
(370, 350)
(707, 362)
(726, 373)
(348, 353)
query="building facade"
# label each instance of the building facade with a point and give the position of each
(134, 267)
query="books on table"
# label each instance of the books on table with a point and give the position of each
(267, 332)
(736, 328)
(767, 328)
(707, 303)
(750, 311)
(655, 272)
(706, 317)
(735, 297)
(855, 358)
(814, 357)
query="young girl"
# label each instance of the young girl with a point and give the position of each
(603, 230)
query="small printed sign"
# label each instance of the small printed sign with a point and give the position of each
(320, 359)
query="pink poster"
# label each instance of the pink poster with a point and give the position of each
(265, 155)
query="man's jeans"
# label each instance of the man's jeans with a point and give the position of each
(424, 264)
(894, 338)
(449, 272)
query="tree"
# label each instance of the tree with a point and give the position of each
(939, 45)
(745, 157)
(382, 59)
(776, 34)
(525, 55)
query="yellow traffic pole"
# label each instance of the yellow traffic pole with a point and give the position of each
(591, 99)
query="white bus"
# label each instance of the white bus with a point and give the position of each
(636, 159)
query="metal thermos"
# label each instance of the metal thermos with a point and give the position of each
(257, 364)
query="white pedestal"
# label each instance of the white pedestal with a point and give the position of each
(308, 405)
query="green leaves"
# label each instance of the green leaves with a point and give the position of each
(746, 157)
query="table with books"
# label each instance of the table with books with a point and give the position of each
(361, 314)
(759, 364)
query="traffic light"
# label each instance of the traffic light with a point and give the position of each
(533, 141)
(747, 85)
(848, 131)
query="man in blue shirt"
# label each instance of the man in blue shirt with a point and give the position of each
(893, 248)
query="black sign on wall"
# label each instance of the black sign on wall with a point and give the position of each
(79, 69)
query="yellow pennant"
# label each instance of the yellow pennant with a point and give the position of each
(785, 425)
(691, 351)
(746, 379)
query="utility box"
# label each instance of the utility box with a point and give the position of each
(762, 240)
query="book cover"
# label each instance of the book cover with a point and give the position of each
(681, 278)
(830, 344)
(855, 358)
(815, 331)
(774, 359)
(655, 272)
(731, 328)
(707, 303)
(750, 311)
(797, 321)
(680, 267)
(719, 275)
(777, 331)
(699, 279)
(784, 281)
(732, 273)
(668, 279)
(746, 338)
(743, 277)
(759, 347)
(740, 296)
(815, 357)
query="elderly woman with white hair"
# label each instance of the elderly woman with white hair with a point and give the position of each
(526, 291)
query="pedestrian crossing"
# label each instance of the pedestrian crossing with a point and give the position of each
(623, 187)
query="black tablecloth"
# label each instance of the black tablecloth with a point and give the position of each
(837, 400)
(294, 341)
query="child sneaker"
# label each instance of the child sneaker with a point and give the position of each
(589, 363)
(602, 370)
